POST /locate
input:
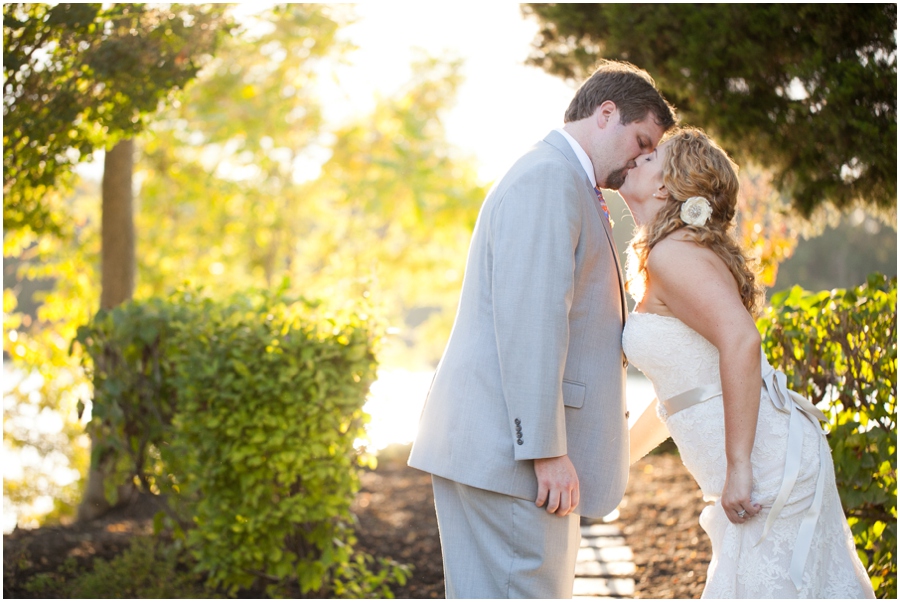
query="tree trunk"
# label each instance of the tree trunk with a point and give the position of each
(117, 268)
(117, 238)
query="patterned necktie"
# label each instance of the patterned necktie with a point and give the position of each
(603, 206)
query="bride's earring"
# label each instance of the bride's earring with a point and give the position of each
(661, 194)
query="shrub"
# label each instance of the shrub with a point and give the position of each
(147, 569)
(840, 347)
(244, 413)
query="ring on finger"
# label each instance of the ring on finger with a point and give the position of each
(742, 513)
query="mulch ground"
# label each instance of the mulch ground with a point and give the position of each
(395, 509)
(659, 517)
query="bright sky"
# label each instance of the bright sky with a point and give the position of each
(502, 107)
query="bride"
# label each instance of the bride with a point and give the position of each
(777, 527)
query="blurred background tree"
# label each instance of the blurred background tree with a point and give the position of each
(381, 206)
(240, 183)
(808, 91)
(78, 78)
(402, 204)
(842, 255)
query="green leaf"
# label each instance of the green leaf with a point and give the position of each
(241, 368)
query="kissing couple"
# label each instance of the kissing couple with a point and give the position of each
(525, 428)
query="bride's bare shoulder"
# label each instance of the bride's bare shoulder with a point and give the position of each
(677, 253)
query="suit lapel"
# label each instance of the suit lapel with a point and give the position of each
(559, 142)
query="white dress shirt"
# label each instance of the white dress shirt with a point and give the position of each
(582, 156)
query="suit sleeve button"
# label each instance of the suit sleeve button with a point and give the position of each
(519, 441)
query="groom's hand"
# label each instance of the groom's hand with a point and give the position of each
(557, 485)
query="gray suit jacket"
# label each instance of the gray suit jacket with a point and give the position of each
(534, 366)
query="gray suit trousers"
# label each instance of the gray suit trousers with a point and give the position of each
(499, 546)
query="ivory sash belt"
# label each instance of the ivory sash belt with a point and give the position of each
(799, 408)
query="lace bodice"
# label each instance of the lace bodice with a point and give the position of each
(671, 354)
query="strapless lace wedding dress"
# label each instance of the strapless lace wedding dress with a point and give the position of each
(799, 545)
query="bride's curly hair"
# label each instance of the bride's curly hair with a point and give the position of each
(696, 166)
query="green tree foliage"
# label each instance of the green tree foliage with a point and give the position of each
(41, 379)
(78, 76)
(401, 207)
(245, 414)
(220, 165)
(806, 90)
(841, 347)
(226, 200)
(381, 205)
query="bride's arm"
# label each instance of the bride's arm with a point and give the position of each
(646, 433)
(709, 302)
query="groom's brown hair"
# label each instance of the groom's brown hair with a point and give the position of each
(631, 88)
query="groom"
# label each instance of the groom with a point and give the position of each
(525, 427)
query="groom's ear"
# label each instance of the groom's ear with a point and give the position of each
(604, 112)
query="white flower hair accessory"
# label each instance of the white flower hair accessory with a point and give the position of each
(696, 211)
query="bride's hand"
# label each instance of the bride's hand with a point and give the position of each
(736, 494)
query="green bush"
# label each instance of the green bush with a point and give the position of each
(840, 347)
(244, 414)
